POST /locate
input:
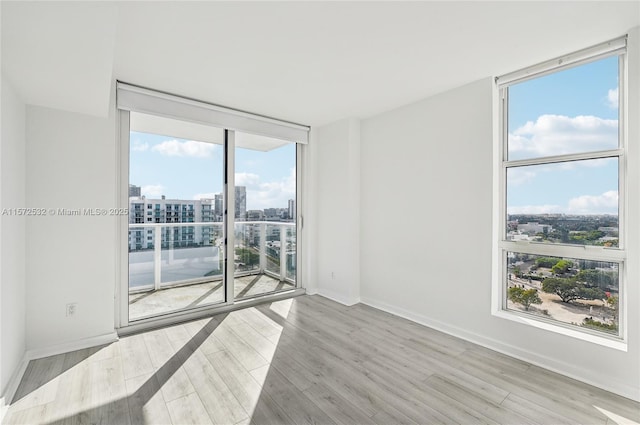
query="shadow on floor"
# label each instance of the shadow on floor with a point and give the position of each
(117, 411)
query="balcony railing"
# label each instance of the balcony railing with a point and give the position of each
(163, 255)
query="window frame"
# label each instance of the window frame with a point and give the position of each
(130, 99)
(502, 164)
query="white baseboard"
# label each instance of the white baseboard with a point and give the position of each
(3, 409)
(337, 297)
(39, 353)
(66, 347)
(563, 368)
(12, 386)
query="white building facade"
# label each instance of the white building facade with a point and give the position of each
(167, 211)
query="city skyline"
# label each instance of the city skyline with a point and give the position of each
(135, 193)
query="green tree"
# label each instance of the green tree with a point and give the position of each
(547, 262)
(561, 267)
(596, 324)
(595, 235)
(590, 293)
(598, 278)
(569, 289)
(517, 272)
(612, 302)
(526, 297)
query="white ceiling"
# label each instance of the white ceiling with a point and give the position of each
(306, 62)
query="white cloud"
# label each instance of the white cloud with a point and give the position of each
(272, 194)
(261, 195)
(188, 148)
(209, 195)
(520, 175)
(535, 209)
(152, 191)
(276, 193)
(139, 146)
(612, 98)
(249, 180)
(606, 203)
(559, 134)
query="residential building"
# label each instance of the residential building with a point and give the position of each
(534, 228)
(161, 211)
(218, 206)
(291, 210)
(241, 202)
(134, 191)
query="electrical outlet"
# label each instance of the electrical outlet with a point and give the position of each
(333, 275)
(71, 309)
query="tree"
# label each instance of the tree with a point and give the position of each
(561, 267)
(526, 297)
(517, 272)
(595, 235)
(569, 289)
(598, 278)
(589, 322)
(612, 302)
(547, 262)
(590, 293)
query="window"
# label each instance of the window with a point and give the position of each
(228, 164)
(561, 244)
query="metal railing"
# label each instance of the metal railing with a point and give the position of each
(168, 256)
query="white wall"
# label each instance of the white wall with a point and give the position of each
(336, 174)
(12, 235)
(71, 163)
(427, 167)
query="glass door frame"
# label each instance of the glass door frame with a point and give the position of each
(122, 323)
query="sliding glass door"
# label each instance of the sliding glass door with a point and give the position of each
(176, 231)
(214, 207)
(213, 217)
(265, 215)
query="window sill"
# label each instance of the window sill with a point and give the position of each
(610, 342)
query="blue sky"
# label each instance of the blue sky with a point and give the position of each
(565, 112)
(184, 169)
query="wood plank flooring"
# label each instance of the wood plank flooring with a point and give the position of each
(307, 360)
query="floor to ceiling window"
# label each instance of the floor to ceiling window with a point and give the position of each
(213, 205)
(175, 231)
(265, 213)
(562, 243)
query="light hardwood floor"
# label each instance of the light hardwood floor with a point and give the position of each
(304, 361)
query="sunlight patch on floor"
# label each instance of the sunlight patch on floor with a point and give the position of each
(617, 419)
(262, 333)
(282, 307)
